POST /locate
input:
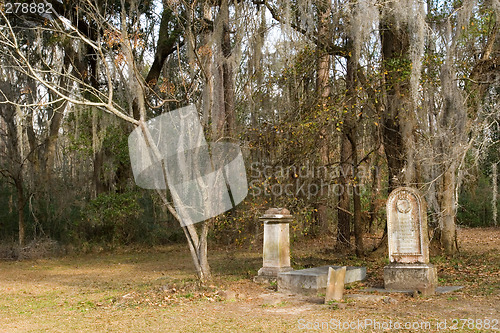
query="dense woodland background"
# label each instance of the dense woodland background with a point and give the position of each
(334, 103)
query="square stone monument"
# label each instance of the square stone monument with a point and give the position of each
(409, 267)
(276, 250)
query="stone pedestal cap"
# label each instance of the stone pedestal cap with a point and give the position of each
(277, 215)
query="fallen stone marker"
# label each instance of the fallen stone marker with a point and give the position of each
(335, 284)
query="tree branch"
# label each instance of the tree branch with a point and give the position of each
(329, 47)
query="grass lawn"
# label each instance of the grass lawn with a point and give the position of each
(155, 290)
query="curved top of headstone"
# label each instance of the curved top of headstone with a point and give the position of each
(406, 188)
(277, 214)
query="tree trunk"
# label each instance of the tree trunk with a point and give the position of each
(494, 194)
(56, 116)
(197, 246)
(51, 141)
(350, 129)
(98, 176)
(375, 189)
(356, 196)
(343, 208)
(198, 249)
(206, 66)
(20, 208)
(165, 45)
(395, 47)
(323, 65)
(14, 149)
(223, 113)
(203, 252)
(396, 95)
(448, 228)
(227, 73)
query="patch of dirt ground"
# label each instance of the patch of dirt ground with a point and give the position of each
(154, 290)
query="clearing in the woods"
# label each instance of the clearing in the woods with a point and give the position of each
(154, 290)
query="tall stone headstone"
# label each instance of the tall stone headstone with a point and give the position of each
(409, 266)
(276, 249)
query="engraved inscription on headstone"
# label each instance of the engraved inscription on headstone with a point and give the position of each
(406, 227)
(406, 231)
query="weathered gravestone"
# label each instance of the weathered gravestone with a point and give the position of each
(335, 284)
(409, 267)
(276, 250)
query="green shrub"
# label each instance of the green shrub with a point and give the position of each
(113, 218)
(475, 208)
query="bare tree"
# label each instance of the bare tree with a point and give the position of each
(13, 158)
(114, 48)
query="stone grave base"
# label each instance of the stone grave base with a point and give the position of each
(312, 281)
(269, 274)
(419, 277)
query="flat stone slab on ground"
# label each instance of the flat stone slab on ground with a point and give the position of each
(311, 281)
(371, 298)
(439, 290)
(262, 279)
(365, 298)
